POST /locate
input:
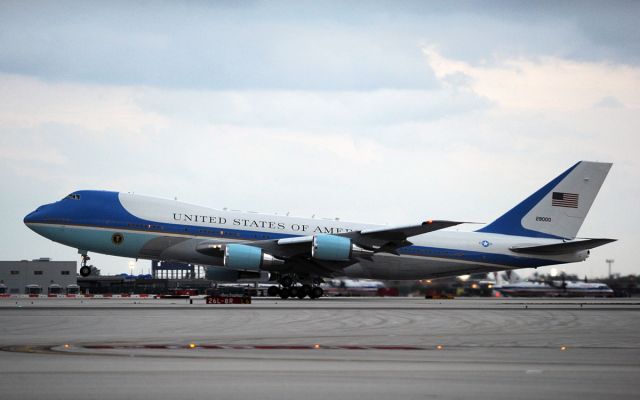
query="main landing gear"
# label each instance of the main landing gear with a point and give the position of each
(291, 289)
(85, 270)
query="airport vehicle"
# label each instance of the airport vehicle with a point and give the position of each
(299, 252)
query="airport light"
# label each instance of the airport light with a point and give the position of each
(132, 266)
(563, 348)
(316, 346)
(439, 347)
(192, 345)
(609, 261)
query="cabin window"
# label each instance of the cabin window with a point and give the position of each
(37, 272)
(64, 272)
(73, 196)
(15, 272)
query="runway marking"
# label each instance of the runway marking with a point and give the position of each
(314, 352)
(77, 349)
(315, 346)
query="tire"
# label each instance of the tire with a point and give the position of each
(316, 292)
(285, 293)
(304, 291)
(273, 291)
(85, 271)
(294, 290)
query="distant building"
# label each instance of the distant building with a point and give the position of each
(38, 276)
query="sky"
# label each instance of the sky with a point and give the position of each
(386, 112)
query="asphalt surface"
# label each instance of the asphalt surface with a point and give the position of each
(323, 349)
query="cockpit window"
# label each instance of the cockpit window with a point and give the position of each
(73, 196)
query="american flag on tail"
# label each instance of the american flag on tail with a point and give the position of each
(559, 199)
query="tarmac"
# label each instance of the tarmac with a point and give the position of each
(342, 348)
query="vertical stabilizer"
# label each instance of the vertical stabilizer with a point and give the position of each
(559, 208)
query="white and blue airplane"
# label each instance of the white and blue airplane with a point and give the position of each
(299, 252)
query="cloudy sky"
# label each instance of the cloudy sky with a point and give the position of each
(383, 112)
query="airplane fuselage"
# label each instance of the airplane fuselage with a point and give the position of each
(142, 227)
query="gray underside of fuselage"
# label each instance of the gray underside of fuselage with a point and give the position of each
(178, 249)
(393, 267)
(381, 266)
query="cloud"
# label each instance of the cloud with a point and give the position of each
(542, 83)
(609, 102)
(310, 109)
(27, 102)
(203, 45)
(297, 45)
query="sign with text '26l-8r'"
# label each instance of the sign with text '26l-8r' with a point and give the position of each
(228, 299)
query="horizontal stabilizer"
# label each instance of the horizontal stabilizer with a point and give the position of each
(562, 248)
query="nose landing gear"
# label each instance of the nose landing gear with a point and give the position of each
(85, 270)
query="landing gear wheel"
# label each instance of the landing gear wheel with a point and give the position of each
(303, 291)
(286, 281)
(85, 271)
(285, 293)
(273, 291)
(316, 292)
(294, 291)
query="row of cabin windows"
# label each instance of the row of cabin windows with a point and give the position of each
(41, 272)
(145, 226)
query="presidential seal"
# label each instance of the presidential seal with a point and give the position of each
(117, 238)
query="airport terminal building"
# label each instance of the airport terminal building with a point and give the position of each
(40, 276)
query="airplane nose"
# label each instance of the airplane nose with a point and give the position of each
(32, 216)
(29, 218)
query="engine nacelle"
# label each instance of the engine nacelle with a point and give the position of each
(335, 248)
(241, 256)
(221, 274)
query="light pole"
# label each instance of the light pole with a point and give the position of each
(132, 266)
(609, 261)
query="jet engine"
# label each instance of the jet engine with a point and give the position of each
(335, 248)
(241, 256)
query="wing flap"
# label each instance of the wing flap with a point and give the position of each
(404, 232)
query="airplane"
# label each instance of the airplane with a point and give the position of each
(555, 289)
(299, 253)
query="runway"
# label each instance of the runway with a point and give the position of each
(328, 348)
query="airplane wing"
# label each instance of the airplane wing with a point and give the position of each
(375, 240)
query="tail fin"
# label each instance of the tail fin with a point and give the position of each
(559, 208)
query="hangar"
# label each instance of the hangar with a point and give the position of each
(37, 276)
